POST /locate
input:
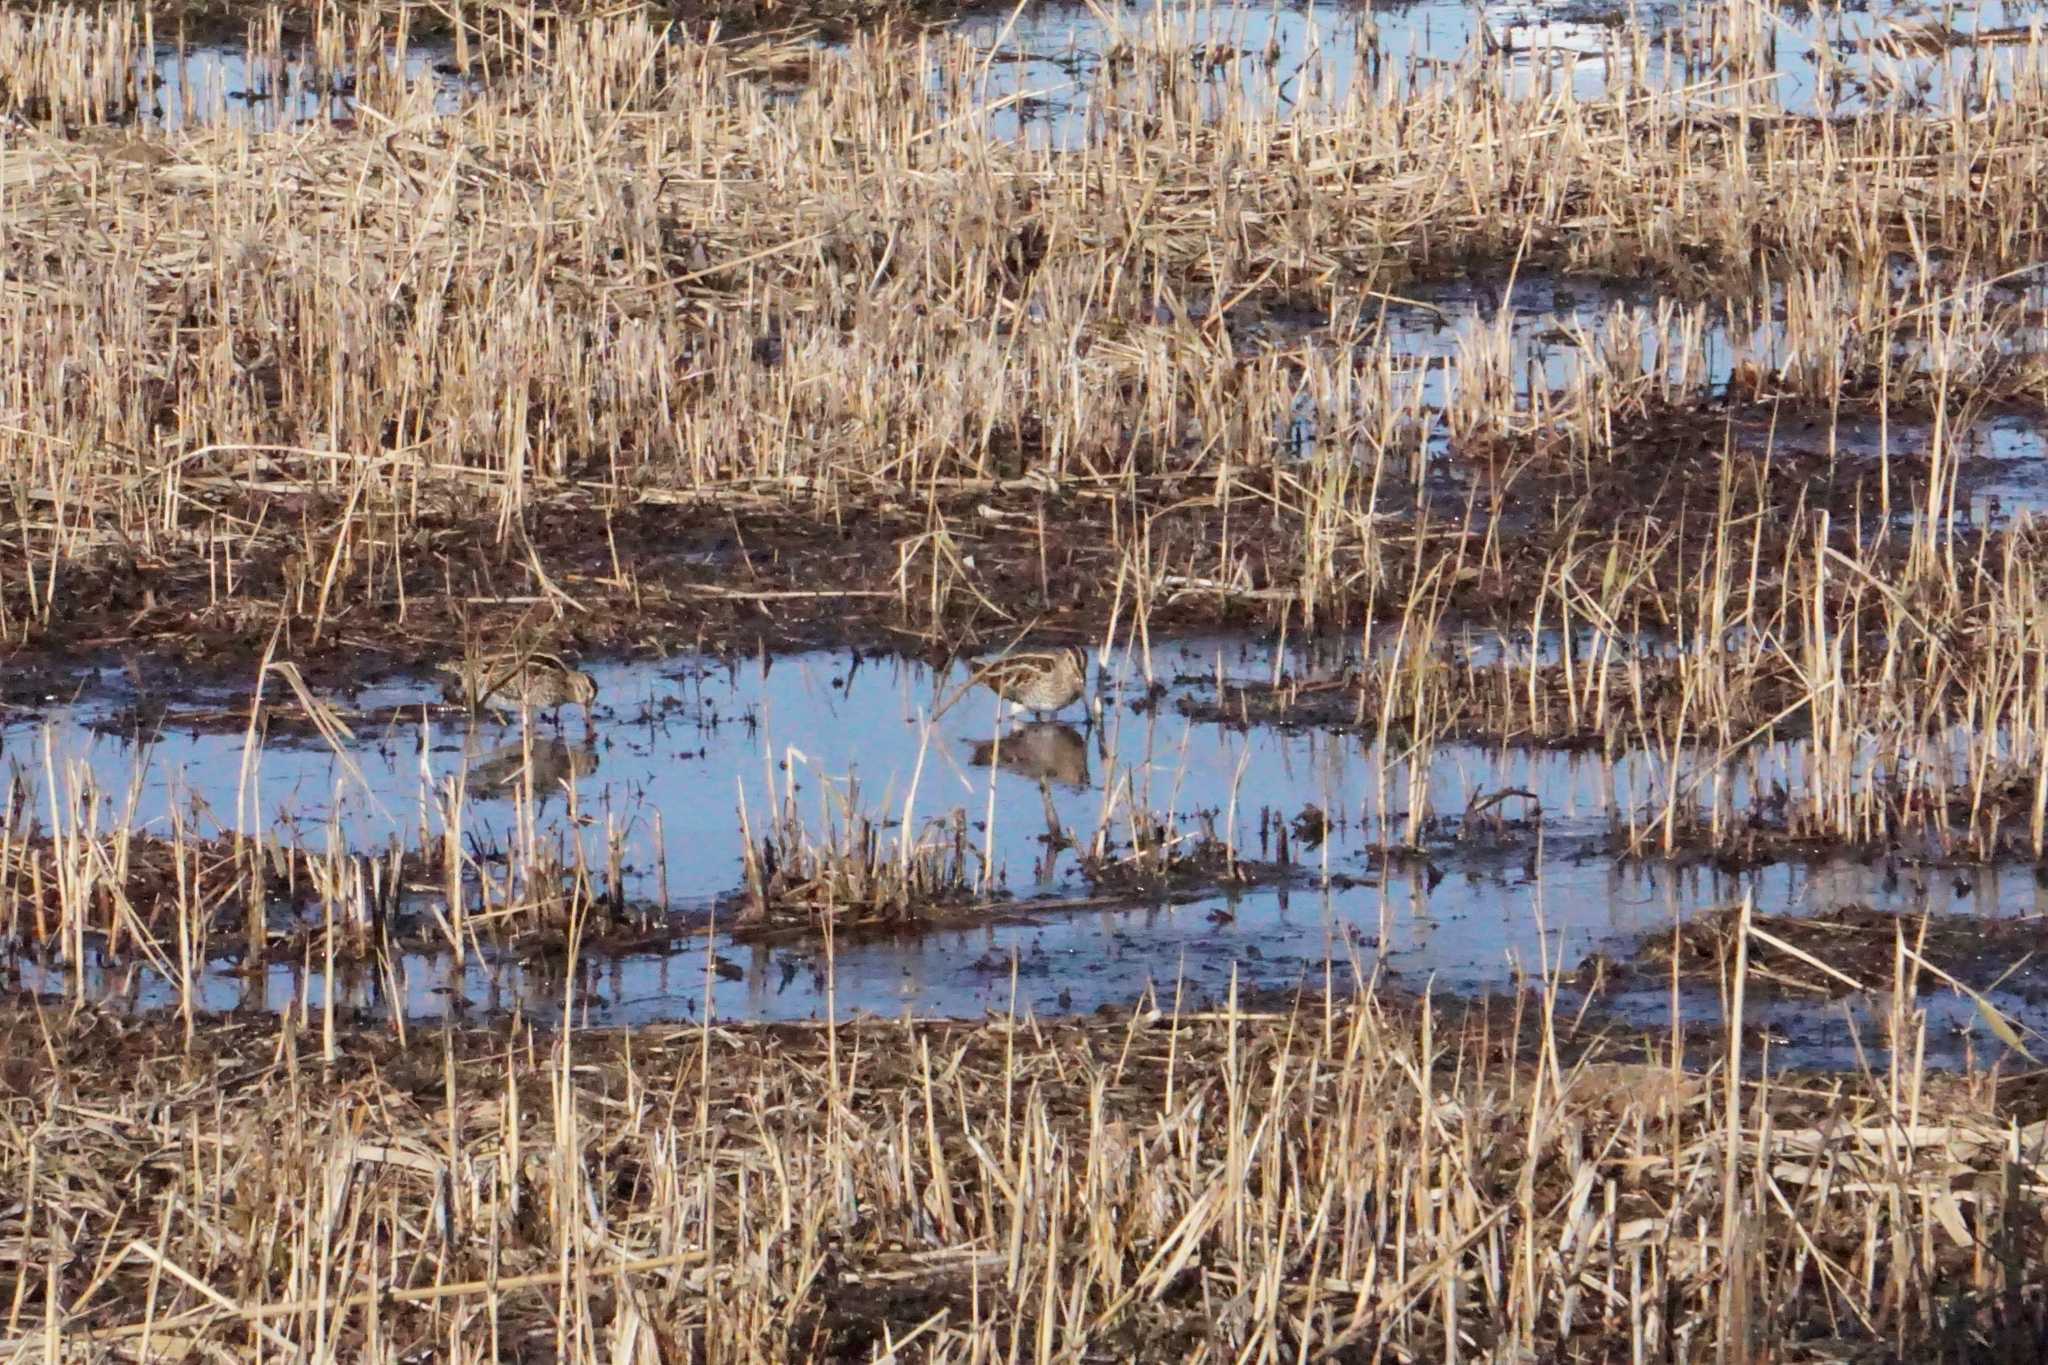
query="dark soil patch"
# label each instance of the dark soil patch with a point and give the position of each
(592, 574)
(1178, 865)
(1850, 949)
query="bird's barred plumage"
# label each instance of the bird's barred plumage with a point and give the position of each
(506, 683)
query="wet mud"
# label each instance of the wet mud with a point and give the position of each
(707, 575)
(1853, 953)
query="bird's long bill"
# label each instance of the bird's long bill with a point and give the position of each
(953, 696)
(504, 676)
(974, 675)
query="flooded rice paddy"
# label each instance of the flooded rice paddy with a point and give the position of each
(1468, 871)
(1573, 561)
(1540, 336)
(1517, 865)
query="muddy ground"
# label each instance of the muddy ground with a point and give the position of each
(1853, 952)
(592, 571)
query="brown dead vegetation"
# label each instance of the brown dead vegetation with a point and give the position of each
(1350, 1181)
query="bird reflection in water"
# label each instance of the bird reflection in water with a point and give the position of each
(556, 764)
(1045, 751)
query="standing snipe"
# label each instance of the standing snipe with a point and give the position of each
(1040, 681)
(506, 683)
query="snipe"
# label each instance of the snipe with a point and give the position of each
(508, 683)
(1040, 681)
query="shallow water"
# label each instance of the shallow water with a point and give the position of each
(1042, 59)
(1540, 335)
(222, 83)
(682, 745)
(1040, 62)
